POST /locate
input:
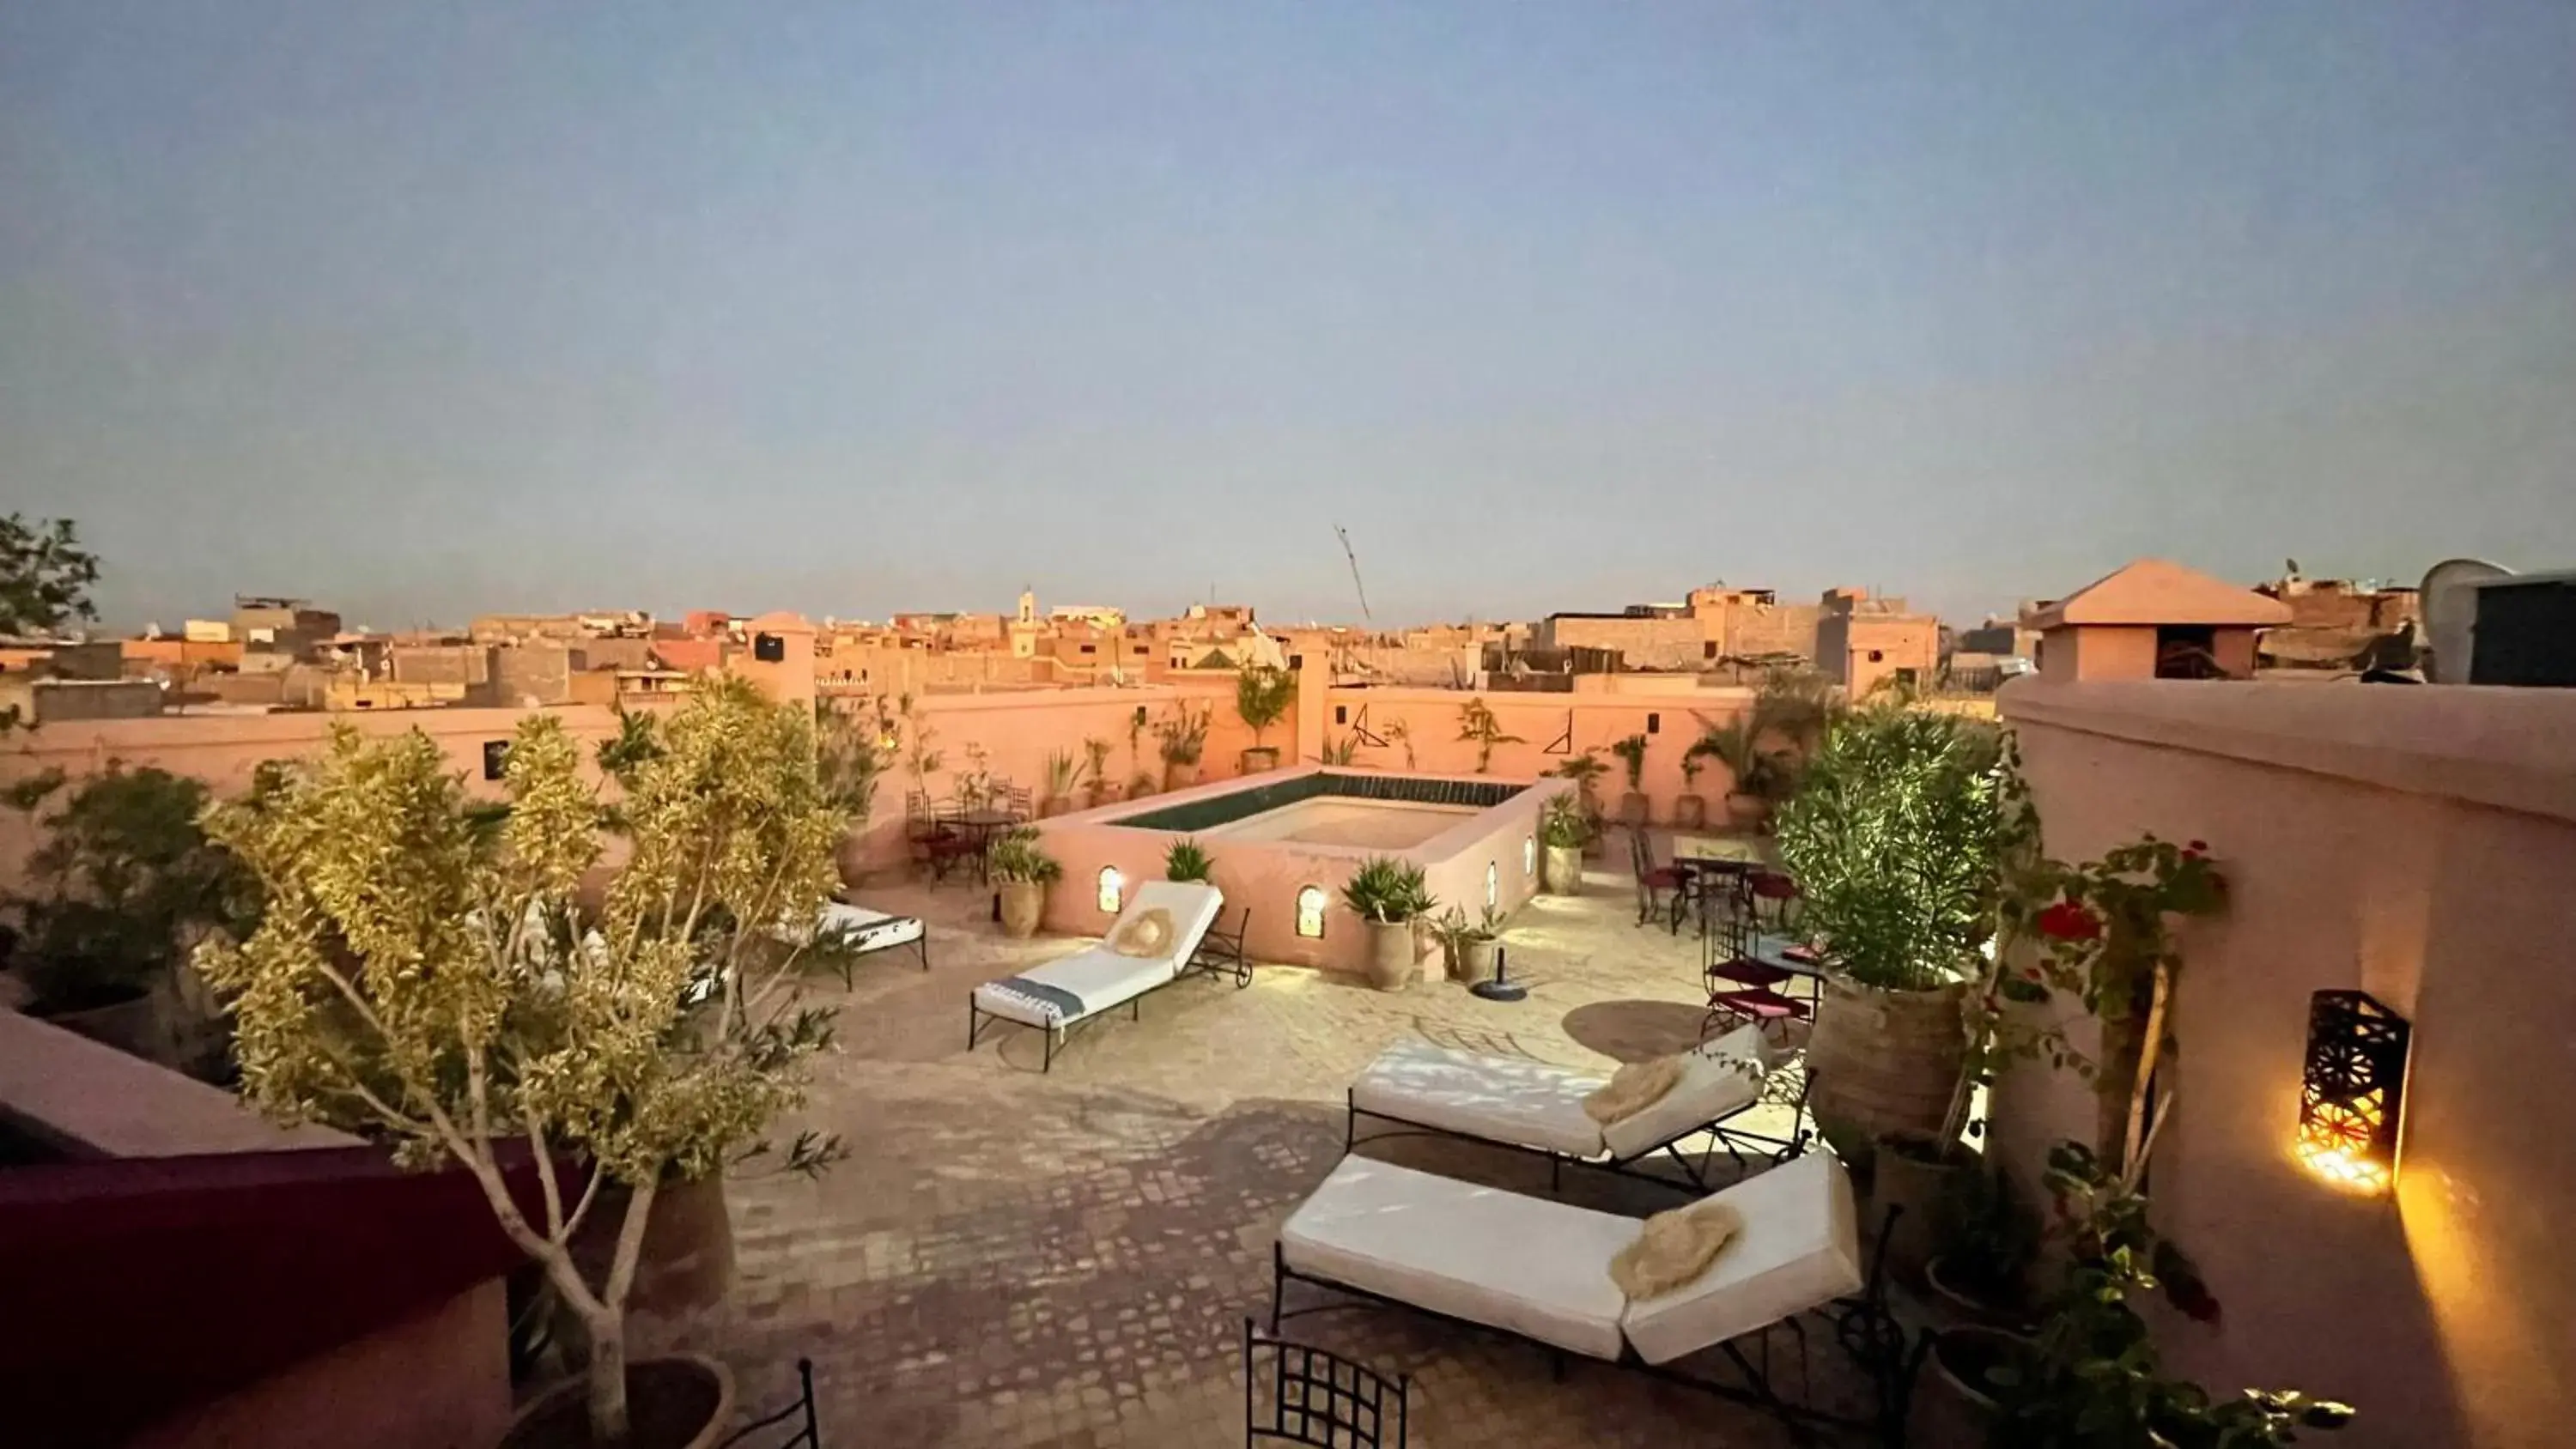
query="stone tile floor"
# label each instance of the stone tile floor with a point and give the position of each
(1010, 1258)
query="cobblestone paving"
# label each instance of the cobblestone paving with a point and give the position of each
(1010, 1258)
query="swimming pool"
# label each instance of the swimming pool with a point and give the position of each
(1285, 843)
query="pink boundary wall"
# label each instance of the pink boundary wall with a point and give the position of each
(1267, 875)
(2418, 844)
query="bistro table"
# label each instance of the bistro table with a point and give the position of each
(979, 825)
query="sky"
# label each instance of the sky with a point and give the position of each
(424, 310)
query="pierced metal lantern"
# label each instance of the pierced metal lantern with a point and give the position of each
(2352, 1091)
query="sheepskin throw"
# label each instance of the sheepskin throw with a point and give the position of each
(1632, 1089)
(1147, 936)
(1675, 1248)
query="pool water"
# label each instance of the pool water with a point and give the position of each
(1340, 820)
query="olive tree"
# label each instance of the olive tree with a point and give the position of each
(428, 971)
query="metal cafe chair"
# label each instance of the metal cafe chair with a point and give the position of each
(1742, 986)
(1662, 890)
(1317, 1398)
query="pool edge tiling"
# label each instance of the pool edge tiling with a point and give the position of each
(1488, 852)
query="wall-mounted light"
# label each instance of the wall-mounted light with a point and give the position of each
(1529, 855)
(1493, 886)
(2352, 1091)
(1310, 911)
(1113, 889)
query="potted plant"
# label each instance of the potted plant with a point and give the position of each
(1263, 694)
(1184, 737)
(1389, 895)
(1188, 861)
(1690, 810)
(853, 750)
(1632, 757)
(1467, 946)
(1140, 785)
(1021, 873)
(1897, 843)
(127, 883)
(1564, 830)
(429, 972)
(1988, 1238)
(1732, 744)
(1063, 774)
(2092, 1373)
(1477, 725)
(1102, 790)
(1585, 770)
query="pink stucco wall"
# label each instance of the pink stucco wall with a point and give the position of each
(1267, 875)
(2417, 844)
(1541, 720)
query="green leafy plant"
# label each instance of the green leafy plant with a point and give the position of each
(1343, 751)
(1016, 857)
(1897, 841)
(1064, 772)
(1692, 764)
(1565, 823)
(446, 988)
(1140, 785)
(1397, 732)
(1477, 724)
(919, 759)
(1183, 733)
(1187, 860)
(1632, 756)
(853, 749)
(1457, 932)
(1263, 694)
(127, 880)
(2092, 1375)
(1765, 748)
(1388, 890)
(1585, 770)
(44, 582)
(1095, 752)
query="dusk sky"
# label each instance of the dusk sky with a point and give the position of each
(428, 310)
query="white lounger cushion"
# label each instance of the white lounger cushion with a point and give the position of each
(1798, 1250)
(1103, 978)
(1504, 1099)
(1501, 1099)
(1522, 1264)
(870, 930)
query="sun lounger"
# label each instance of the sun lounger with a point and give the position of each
(855, 931)
(1063, 994)
(1534, 1107)
(1540, 1270)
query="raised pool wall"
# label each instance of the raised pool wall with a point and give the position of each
(1267, 875)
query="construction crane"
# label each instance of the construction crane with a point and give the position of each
(1344, 535)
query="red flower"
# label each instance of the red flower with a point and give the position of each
(2198, 847)
(2067, 921)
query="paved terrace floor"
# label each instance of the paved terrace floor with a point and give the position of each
(1010, 1258)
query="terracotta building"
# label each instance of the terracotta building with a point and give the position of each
(2154, 619)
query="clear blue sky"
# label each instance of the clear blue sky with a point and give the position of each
(425, 309)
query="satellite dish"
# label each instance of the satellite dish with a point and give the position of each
(2448, 602)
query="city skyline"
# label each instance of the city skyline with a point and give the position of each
(847, 311)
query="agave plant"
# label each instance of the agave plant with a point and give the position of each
(1388, 890)
(1187, 860)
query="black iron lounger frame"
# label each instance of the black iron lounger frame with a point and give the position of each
(1863, 1326)
(1223, 958)
(1735, 1140)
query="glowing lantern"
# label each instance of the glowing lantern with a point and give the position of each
(2352, 1091)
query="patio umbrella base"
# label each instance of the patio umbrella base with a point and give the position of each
(1502, 987)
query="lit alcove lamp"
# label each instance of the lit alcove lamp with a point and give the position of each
(1529, 855)
(1310, 911)
(2352, 1091)
(1493, 886)
(1113, 889)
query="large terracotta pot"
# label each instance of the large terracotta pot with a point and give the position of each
(1180, 774)
(1633, 807)
(1953, 1405)
(1259, 760)
(1103, 794)
(1884, 1062)
(1391, 954)
(1918, 1176)
(683, 1401)
(1140, 787)
(1476, 961)
(1051, 806)
(686, 1261)
(1562, 873)
(850, 858)
(1745, 811)
(1023, 903)
(1690, 812)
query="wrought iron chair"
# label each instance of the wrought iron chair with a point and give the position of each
(1662, 890)
(1742, 987)
(934, 844)
(809, 1433)
(1220, 952)
(1317, 1398)
(1013, 800)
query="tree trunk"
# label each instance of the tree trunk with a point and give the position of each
(607, 1376)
